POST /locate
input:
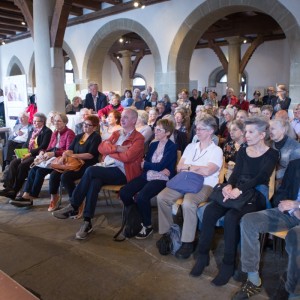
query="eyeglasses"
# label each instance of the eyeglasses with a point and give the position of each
(86, 124)
(159, 130)
(36, 121)
(279, 91)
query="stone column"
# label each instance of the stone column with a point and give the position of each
(127, 82)
(234, 58)
(49, 63)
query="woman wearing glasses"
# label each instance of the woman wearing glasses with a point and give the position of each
(203, 158)
(281, 101)
(38, 140)
(158, 167)
(61, 139)
(83, 146)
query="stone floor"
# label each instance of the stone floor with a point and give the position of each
(40, 253)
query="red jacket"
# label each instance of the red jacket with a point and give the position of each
(132, 158)
(31, 110)
(105, 111)
(66, 137)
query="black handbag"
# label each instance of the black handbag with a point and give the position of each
(246, 197)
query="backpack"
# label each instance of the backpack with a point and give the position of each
(170, 242)
(131, 223)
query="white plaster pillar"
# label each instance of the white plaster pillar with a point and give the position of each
(49, 64)
(234, 58)
(127, 82)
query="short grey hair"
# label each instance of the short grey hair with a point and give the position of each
(41, 116)
(143, 115)
(208, 121)
(282, 123)
(261, 124)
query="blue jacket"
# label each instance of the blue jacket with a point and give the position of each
(168, 160)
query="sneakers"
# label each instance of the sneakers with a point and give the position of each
(247, 290)
(84, 230)
(65, 213)
(21, 202)
(54, 205)
(144, 233)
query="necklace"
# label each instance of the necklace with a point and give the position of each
(201, 155)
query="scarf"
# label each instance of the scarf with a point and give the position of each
(34, 135)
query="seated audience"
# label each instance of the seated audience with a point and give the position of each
(153, 99)
(161, 110)
(174, 106)
(50, 120)
(256, 100)
(158, 167)
(60, 141)
(84, 112)
(142, 126)
(267, 111)
(223, 132)
(181, 121)
(203, 158)
(123, 153)
(229, 98)
(115, 105)
(75, 106)
(288, 148)
(282, 114)
(282, 101)
(296, 121)
(254, 111)
(127, 100)
(167, 102)
(254, 166)
(111, 124)
(241, 115)
(152, 117)
(38, 140)
(184, 101)
(285, 216)
(16, 139)
(242, 102)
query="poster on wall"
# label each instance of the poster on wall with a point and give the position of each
(15, 98)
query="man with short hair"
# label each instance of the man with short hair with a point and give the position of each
(267, 99)
(282, 114)
(123, 153)
(95, 100)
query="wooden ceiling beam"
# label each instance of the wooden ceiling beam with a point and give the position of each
(89, 4)
(26, 8)
(7, 31)
(76, 11)
(113, 2)
(59, 22)
(13, 28)
(9, 6)
(11, 16)
(11, 22)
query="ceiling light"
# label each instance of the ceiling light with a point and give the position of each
(23, 23)
(245, 41)
(143, 6)
(121, 40)
(3, 43)
(136, 4)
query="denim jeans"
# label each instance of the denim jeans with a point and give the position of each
(90, 185)
(271, 220)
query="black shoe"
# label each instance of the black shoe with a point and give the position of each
(240, 276)
(4, 192)
(11, 194)
(21, 202)
(185, 250)
(281, 293)
(201, 262)
(225, 273)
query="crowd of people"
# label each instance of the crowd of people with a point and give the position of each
(141, 143)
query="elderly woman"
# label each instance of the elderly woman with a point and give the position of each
(127, 101)
(75, 107)
(112, 124)
(203, 158)
(115, 105)
(282, 101)
(254, 166)
(241, 115)
(38, 140)
(184, 101)
(158, 167)
(84, 112)
(153, 114)
(167, 101)
(60, 141)
(181, 121)
(267, 111)
(288, 148)
(50, 120)
(143, 127)
(223, 132)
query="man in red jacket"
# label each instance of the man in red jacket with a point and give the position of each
(123, 153)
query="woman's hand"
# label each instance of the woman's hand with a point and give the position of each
(26, 155)
(67, 153)
(165, 172)
(48, 155)
(234, 193)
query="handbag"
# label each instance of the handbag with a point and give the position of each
(68, 163)
(186, 182)
(41, 163)
(248, 196)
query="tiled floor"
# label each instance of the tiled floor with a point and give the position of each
(40, 253)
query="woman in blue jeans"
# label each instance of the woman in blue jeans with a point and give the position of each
(158, 167)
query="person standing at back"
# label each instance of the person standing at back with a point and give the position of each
(95, 100)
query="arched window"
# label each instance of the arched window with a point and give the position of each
(69, 72)
(139, 82)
